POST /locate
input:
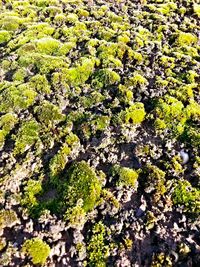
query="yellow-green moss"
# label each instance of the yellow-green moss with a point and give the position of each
(82, 184)
(5, 36)
(135, 114)
(27, 136)
(37, 250)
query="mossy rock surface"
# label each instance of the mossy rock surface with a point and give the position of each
(99, 132)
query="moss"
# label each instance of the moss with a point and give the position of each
(37, 249)
(123, 38)
(151, 220)
(77, 32)
(108, 196)
(127, 176)
(59, 19)
(126, 94)
(17, 98)
(100, 123)
(2, 138)
(58, 162)
(155, 181)
(176, 165)
(170, 115)
(196, 8)
(184, 249)
(128, 243)
(44, 63)
(82, 184)
(76, 216)
(186, 38)
(160, 259)
(8, 121)
(191, 76)
(184, 92)
(40, 84)
(137, 79)
(83, 13)
(187, 196)
(193, 110)
(167, 8)
(27, 136)
(49, 114)
(79, 75)
(32, 189)
(105, 77)
(71, 18)
(192, 134)
(2, 243)
(135, 114)
(20, 75)
(10, 23)
(4, 36)
(98, 248)
(47, 45)
(8, 218)
(66, 48)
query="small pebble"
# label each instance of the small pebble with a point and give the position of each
(184, 156)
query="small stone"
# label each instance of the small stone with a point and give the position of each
(184, 156)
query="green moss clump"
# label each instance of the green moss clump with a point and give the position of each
(135, 114)
(8, 218)
(27, 136)
(155, 181)
(20, 75)
(7, 122)
(80, 74)
(196, 8)
(58, 162)
(66, 48)
(76, 216)
(82, 184)
(186, 38)
(17, 98)
(137, 79)
(188, 196)
(2, 138)
(4, 37)
(40, 84)
(160, 259)
(192, 135)
(47, 45)
(100, 123)
(49, 114)
(10, 22)
(98, 248)
(105, 77)
(78, 32)
(2, 243)
(37, 249)
(44, 63)
(31, 190)
(71, 18)
(170, 114)
(126, 175)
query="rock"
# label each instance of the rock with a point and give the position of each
(184, 156)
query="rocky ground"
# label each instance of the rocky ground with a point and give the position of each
(99, 133)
